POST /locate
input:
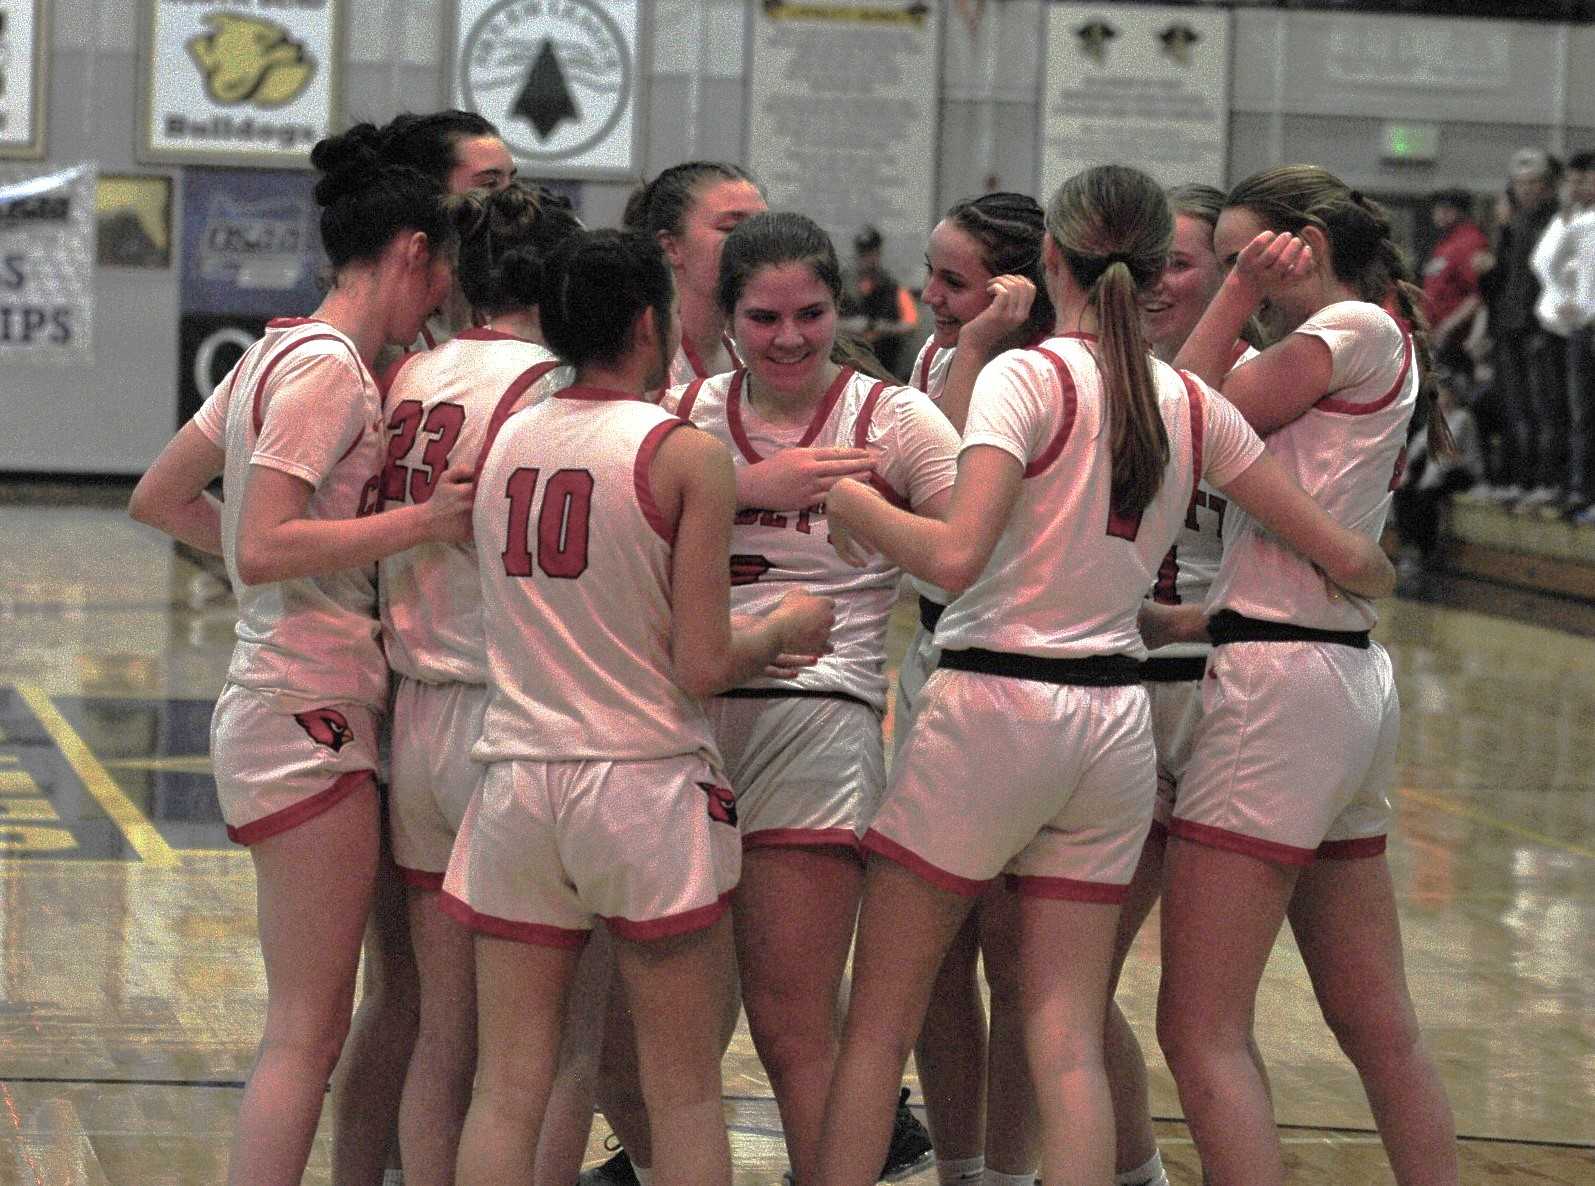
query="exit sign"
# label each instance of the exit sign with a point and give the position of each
(1411, 143)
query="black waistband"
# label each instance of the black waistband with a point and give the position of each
(793, 694)
(1173, 669)
(1228, 626)
(1095, 671)
(929, 613)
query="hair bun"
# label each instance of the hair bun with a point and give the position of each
(346, 162)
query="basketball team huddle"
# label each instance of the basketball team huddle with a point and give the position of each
(561, 673)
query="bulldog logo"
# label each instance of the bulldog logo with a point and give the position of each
(246, 59)
(722, 803)
(326, 726)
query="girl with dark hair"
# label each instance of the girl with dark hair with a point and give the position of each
(805, 757)
(444, 407)
(1284, 805)
(602, 796)
(690, 208)
(1086, 448)
(295, 431)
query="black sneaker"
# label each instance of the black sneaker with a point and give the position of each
(910, 1150)
(616, 1171)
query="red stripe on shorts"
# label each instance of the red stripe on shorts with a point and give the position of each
(278, 822)
(1251, 846)
(1067, 889)
(505, 928)
(881, 846)
(1352, 849)
(421, 878)
(802, 838)
(697, 919)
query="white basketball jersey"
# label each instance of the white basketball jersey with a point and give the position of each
(1189, 569)
(1068, 575)
(1344, 451)
(443, 409)
(302, 401)
(687, 366)
(774, 552)
(930, 368)
(575, 572)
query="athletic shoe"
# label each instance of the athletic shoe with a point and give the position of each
(616, 1171)
(1540, 496)
(1586, 517)
(910, 1150)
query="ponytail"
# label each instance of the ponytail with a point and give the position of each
(1138, 437)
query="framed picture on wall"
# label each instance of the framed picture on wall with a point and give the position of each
(256, 82)
(24, 52)
(133, 221)
(564, 83)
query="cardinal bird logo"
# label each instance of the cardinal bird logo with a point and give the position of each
(326, 726)
(722, 803)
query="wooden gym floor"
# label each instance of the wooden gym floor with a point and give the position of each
(131, 990)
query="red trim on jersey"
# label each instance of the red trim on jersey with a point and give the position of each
(389, 377)
(1193, 393)
(303, 811)
(696, 362)
(861, 441)
(426, 336)
(821, 413)
(506, 404)
(881, 846)
(291, 322)
(481, 333)
(507, 928)
(1252, 846)
(675, 924)
(256, 416)
(583, 391)
(1352, 849)
(925, 366)
(420, 878)
(1348, 408)
(1240, 348)
(688, 398)
(644, 486)
(1066, 421)
(1067, 889)
(802, 838)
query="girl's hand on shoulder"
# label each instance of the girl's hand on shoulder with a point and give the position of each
(450, 506)
(1272, 259)
(997, 325)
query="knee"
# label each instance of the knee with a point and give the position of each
(1178, 1038)
(1372, 1036)
(315, 1050)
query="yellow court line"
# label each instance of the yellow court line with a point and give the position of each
(1501, 825)
(150, 845)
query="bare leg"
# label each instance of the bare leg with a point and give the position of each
(1132, 1109)
(678, 1048)
(794, 914)
(370, 1075)
(951, 1052)
(905, 928)
(313, 893)
(1344, 916)
(437, 1090)
(1013, 1126)
(521, 990)
(1221, 914)
(1064, 1001)
(569, 1117)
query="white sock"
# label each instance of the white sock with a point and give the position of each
(961, 1169)
(992, 1178)
(645, 1175)
(1150, 1174)
(392, 1178)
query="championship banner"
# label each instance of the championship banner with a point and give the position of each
(1135, 85)
(46, 265)
(562, 80)
(246, 82)
(24, 50)
(842, 117)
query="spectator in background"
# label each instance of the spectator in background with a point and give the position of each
(1530, 363)
(875, 308)
(1564, 263)
(1450, 280)
(1428, 482)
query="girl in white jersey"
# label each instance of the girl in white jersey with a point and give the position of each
(1032, 750)
(986, 293)
(603, 796)
(296, 433)
(806, 760)
(1284, 805)
(444, 408)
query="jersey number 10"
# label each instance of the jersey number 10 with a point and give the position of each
(562, 522)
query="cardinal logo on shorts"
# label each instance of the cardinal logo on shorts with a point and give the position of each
(246, 59)
(722, 803)
(1179, 43)
(326, 726)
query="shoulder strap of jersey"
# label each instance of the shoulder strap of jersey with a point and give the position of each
(925, 363)
(257, 415)
(1066, 414)
(519, 386)
(1351, 408)
(866, 413)
(1198, 402)
(688, 398)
